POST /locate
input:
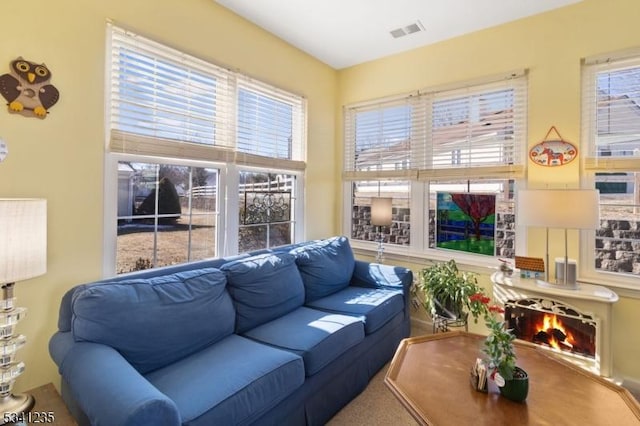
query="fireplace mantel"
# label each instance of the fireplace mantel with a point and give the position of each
(587, 298)
(584, 291)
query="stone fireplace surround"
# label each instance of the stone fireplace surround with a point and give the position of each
(593, 300)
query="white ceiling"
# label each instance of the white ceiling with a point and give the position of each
(342, 33)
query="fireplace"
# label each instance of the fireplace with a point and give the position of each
(576, 324)
(553, 325)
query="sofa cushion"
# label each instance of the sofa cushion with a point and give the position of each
(375, 306)
(156, 321)
(248, 378)
(263, 287)
(318, 337)
(326, 266)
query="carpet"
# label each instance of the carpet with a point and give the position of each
(375, 406)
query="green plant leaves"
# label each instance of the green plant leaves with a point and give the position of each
(445, 283)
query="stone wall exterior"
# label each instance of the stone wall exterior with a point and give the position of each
(506, 235)
(617, 241)
(618, 246)
(398, 233)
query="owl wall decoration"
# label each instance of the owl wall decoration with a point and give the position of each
(27, 88)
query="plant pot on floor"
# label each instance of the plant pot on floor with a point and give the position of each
(517, 388)
(445, 293)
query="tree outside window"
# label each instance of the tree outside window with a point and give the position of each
(167, 214)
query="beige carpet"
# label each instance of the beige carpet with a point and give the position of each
(375, 406)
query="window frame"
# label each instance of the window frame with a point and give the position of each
(421, 173)
(592, 164)
(230, 180)
(228, 203)
(296, 199)
(587, 271)
(220, 154)
(110, 234)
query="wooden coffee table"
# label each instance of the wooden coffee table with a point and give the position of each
(430, 377)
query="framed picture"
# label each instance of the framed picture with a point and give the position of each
(466, 222)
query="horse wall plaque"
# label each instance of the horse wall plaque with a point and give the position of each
(553, 152)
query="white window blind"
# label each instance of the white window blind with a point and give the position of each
(167, 103)
(475, 131)
(269, 121)
(161, 93)
(478, 127)
(381, 136)
(611, 113)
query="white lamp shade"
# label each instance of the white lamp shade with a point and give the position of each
(23, 239)
(381, 211)
(559, 208)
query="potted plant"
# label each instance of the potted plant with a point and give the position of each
(512, 381)
(447, 291)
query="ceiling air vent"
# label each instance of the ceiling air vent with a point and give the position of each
(409, 29)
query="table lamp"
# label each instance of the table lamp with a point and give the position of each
(23, 255)
(381, 212)
(564, 209)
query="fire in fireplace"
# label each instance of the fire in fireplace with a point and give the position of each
(552, 324)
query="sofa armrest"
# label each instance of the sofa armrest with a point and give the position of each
(59, 346)
(111, 392)
(376, 275)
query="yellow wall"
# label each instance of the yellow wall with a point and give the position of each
(550, 46)
(60, 158)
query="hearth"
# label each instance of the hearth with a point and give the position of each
(576, 324)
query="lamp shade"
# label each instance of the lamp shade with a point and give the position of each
(559, 208)
(23, 239)
(381, 211)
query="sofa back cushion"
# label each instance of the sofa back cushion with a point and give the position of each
(263, 288)
(155, 321)
(326, 266)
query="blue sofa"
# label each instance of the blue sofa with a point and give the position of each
(282, 336)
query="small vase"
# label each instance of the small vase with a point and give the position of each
(516, 389)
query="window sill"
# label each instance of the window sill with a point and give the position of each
(405, 255)
(471, 263)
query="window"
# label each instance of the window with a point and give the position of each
(190, 145)
(166, 214)
(399, 232)
(504, 189)
(266, 210)
(268, 121)
(160, 94)
(379, 136)
(468, 139)
(611, 137)
(475, 129)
